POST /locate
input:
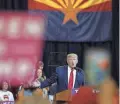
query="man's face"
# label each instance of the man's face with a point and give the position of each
(72, 61)
(5, 86)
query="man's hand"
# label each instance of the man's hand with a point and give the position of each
(36, 84)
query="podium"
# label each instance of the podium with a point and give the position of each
(64, 97)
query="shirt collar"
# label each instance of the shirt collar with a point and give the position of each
(69, 68)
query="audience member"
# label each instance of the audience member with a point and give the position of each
(5, 94)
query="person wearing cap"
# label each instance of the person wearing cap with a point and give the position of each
(40, 77)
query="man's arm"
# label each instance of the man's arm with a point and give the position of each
(82, 74)
(49, 81)
(83, 83)
(83, 77)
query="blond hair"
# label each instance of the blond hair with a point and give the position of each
(72, 55)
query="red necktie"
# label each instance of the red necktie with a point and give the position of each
(70, 84)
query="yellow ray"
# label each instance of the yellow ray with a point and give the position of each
(91, 3)
(72, 1)
(49, 3)
(77, 3)
(66, 2)
(62, 3)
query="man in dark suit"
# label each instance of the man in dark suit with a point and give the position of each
(67, 77)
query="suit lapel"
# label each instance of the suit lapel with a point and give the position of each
(66, 75)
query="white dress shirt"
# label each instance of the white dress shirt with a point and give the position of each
(74, 75)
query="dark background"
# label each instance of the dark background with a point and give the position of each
(55, 52)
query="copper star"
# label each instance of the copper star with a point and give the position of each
(70, 13)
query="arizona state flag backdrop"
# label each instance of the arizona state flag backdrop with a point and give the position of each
(75, 20)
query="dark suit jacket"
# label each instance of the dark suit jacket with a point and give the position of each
(61, 77)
